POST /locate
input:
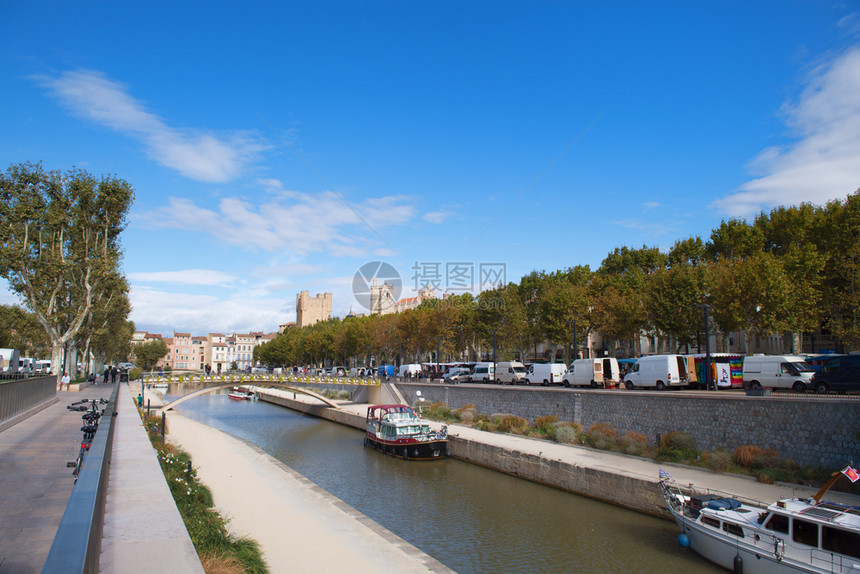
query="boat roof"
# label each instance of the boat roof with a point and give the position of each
(826, 512)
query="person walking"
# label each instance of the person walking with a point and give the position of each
(113, 373)
(106, 375)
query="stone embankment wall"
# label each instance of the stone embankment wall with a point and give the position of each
(602, 484)
(809, 429)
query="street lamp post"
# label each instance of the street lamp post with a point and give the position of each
(437, 356)
(494, 354)
(706, 307)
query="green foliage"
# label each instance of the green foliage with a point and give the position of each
(677, 446)
(602, 436)
(149, 353)
(512, 424)
(567, 434)
(60, 249)
(633, 443)
(134, 374)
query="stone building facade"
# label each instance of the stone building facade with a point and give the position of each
(310, 310)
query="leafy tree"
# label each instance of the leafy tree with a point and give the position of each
(59, 243)
(20, 330)
(149, 353)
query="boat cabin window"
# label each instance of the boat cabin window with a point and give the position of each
(710, 521)
(733, 529)
(805, 532)
(777, 523)
(841, 541)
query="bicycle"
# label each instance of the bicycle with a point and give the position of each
(91, 418)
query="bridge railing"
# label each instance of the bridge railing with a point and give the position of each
(257, 378)
(19, 395)
(77, 544)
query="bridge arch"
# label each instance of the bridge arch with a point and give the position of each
(205, 390)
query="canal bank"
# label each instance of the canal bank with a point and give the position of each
(622, 480)
(300, 526)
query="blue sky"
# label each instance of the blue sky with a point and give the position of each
(278, 147)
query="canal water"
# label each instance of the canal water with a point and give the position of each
(470, 518)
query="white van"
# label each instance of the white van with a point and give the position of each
(510, 372)
(658, 371)
(777, 372)
(409, 370)
(483, 373)
(545, 373)
(592, 372)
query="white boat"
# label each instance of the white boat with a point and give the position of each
(157, 386)
(790, 535)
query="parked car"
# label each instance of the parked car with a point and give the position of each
(457, 375)
(838, 373)
(659, 371)
(125, 366)
(777, 372)
(510, 372)
(545, 373)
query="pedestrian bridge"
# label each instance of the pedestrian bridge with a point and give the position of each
(218, 386)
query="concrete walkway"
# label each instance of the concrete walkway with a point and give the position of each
(143, 530)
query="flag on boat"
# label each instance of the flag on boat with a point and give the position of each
(665, 475)
(851, 474)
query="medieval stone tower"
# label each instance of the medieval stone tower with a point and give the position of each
(310, 310)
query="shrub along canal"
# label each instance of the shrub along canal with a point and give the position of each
(470, 518)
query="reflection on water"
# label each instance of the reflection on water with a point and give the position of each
(470, 518)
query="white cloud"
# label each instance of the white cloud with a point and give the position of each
(648, 205)
(185, 277)
(299, 222)
(436, 216)
(824, 163)
(164, 312)
(195, 154)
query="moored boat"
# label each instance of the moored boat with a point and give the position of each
(789, 535)
(397, 430)
(241, 394)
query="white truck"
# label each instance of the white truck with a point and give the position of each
(483, 373)
(593, 373)
(659, 371)
(9, 360)
(510, 372)
(777, 372)
(545, 373)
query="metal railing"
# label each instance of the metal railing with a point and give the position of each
(77, 544)
(19, 395)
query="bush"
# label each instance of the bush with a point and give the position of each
(746, 455)
(439, 411)
(677, 446)
(512, 424)
(134, 374)
(633, 443)
(466, 414)
(719, 459)
(602, 436)
(545, 422)
(567, 434)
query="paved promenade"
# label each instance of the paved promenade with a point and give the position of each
(143, 531)
(35, 484)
